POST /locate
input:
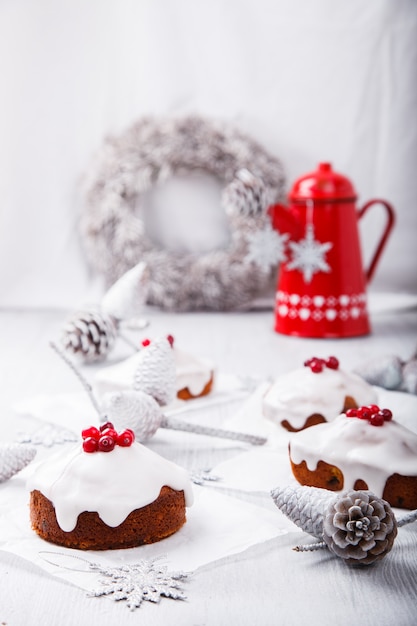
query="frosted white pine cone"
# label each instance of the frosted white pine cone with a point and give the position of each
(89, 335)
(245, 195)
(135, 410)
(305, 506)
(13, 458)
(155, 371)
(385, 371)
(359, 527)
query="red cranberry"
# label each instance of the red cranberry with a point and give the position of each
(90, 444)
(387, 414)
(170, 340)
(364, 413)
(110, 432)
(352, 413)
(374, 408)
(316, 366)
(126, 438)
(332, 363)
(106, 425)
(146, 342)
(307, 363)
(377, 419)
(90, 432)
(106, 443)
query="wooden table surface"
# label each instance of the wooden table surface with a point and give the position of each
(269, 583)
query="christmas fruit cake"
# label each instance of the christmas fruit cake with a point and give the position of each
(363, 448)
(194, 376)
(314, 394)
(108, 492)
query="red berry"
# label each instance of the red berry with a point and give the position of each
(106, 425)
(374, 408)
(126, 438)
(106, 443)
(387, 414)
(90, 432)
(364, 413)
(377, 419)
(307, 363)
(352, 413)
(170, 340)
(110, 432)
(332, 363)
(316, 365)
(146, 342)
(90, 444)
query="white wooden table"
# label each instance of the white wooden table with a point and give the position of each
(268, 584)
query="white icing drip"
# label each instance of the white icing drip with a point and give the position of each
(300, 393)
(113, 484)
(191, 372)
(359, 450)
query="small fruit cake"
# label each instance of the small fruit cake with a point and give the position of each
(194, 376)
(108, 492)
(314, 394)
(363, 448)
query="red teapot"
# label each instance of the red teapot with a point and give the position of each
(321, 290)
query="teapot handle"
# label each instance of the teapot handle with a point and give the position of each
(390, 223)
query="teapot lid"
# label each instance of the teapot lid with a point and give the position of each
(322, 184)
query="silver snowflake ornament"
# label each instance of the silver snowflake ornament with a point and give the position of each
(308, 255)
(266, 247)
(145, 580)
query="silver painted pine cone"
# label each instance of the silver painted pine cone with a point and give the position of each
(89, 335)
(359, 527)
(383, 371)
(305, 506)
(135, 410)
(155, 372)
(13, 458)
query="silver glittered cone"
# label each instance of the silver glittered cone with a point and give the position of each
(13, 458)
(135, 410)
(127, 296)
(305, 506)
(89, 335)
(383, 371)
(155, 371)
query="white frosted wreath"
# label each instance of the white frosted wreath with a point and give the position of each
(149, 153)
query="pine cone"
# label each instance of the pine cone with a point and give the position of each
(359, 527)
(155, 372)
(89, 335)
(385, 371)
(13, 458)
(410, 377)
(246, 195)
(135, 410)
(305, 506)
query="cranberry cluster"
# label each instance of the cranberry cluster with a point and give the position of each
(317, 365)
(372, 413)
(106, 438)
(147, 342)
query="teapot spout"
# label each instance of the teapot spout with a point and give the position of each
(284, 221)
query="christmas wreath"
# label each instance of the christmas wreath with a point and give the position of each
(148, 154)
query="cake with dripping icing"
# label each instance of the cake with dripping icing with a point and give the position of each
(363, 448)
(314, 394)
(103, 495)
(194, 376)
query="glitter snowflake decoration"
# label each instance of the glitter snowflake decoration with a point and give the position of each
(146, 580)
(308, 255)
(266, 248)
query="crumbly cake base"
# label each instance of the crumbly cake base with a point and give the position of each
(185, 394)
(149, 524)
(399, 491)
(318, 418)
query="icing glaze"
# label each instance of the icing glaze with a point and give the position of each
(113, 484)
(300, 393)
(358, 449)
(190, 372)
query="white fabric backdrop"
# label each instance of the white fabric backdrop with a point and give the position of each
(312, 80)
